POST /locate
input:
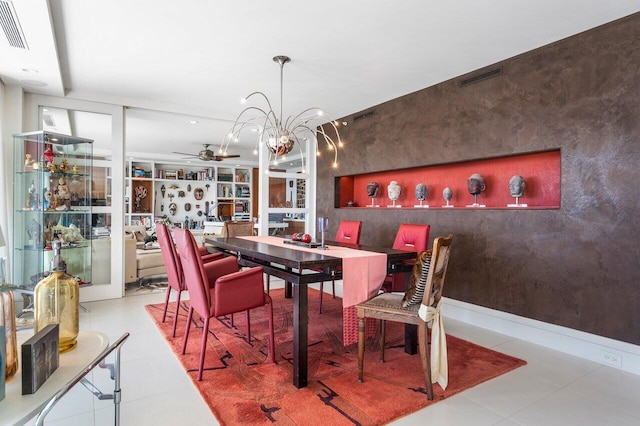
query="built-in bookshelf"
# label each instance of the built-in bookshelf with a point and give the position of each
(186, 194)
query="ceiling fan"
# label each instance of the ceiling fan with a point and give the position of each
(208, 155)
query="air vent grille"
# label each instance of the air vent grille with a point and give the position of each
(11, 25)
(48, 120)
(481, 76)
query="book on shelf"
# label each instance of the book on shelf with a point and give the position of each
(171, 174)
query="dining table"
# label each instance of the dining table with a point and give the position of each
(362, 269)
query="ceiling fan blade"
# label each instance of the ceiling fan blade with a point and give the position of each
(184, 153)
(228, 156)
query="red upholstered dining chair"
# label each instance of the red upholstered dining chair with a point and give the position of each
(411, 237)
(224, 294)
(348, 232)
(175, 276)
(420, 305)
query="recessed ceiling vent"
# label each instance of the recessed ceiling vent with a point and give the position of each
(485, 75)
(363, 115)
(47, 118)
(11, 25)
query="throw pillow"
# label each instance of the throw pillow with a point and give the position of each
(418, 280)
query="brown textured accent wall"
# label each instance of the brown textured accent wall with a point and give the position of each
(578, 266)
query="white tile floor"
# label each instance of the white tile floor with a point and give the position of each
(552, 389)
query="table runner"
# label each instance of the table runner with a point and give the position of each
(363, 273)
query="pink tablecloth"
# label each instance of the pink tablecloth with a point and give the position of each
(363, 273)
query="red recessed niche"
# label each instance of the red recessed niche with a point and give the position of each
(540, 170)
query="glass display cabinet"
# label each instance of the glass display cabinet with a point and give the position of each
(52, 200)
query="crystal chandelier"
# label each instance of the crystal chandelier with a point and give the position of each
(281, 136)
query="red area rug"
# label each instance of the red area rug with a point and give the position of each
(241, 387)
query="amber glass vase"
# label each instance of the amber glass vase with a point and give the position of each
(56, 301)
(8, 321)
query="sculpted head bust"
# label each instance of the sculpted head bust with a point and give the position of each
(447, 194)
(394, 190)
(373, 189)
(476, 184)
(516, 186)
(421, 192)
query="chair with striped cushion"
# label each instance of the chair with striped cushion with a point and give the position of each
(431, 269)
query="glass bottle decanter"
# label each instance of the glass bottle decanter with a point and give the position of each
(8, 321)
(57, 301)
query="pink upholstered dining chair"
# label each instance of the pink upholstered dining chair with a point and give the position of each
(348, 232)
(411, 237)
(224, 294)
(175, 276)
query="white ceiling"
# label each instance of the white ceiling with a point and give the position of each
(172, 62)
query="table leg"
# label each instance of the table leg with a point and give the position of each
(300, 335)
(287, 287)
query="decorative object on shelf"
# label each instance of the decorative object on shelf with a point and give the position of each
(8, 324)
(34, 233)
(198, 193)
(447, 194)
(57, 301)
(393, 191)
(163, 190)
(351, 204)
(476, 186)
(421, 195)
(62, 190)
(28, 161)
(373, 191)
(48, 199)
(40, 358)
(323, 227)
(32, 197)
(64, 166)
(516, 189)
(75, 169)
(48, 155)
(279, 135)
(140, 193)
(173, 208)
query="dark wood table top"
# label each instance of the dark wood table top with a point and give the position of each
(288, 257)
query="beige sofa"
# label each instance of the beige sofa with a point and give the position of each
(140, 262)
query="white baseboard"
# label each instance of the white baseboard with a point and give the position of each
(605, 351)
